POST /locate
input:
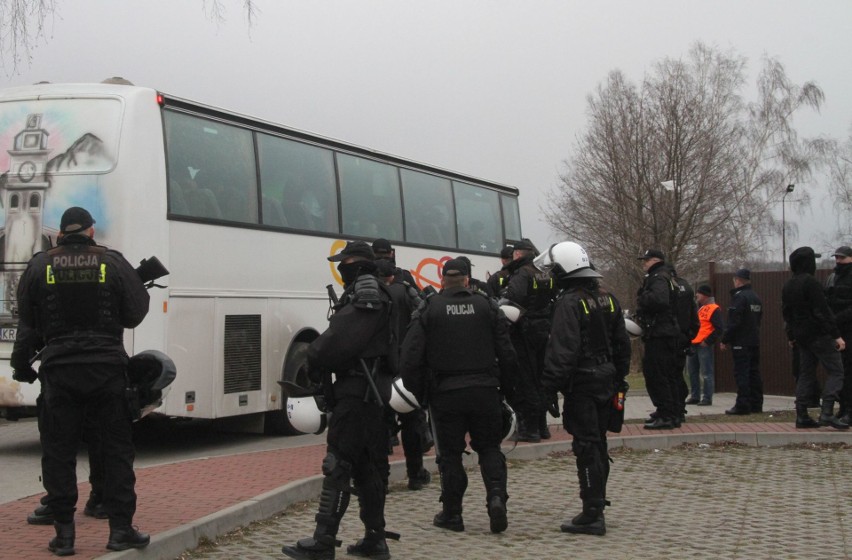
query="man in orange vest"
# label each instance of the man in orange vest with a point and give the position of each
(701, 360)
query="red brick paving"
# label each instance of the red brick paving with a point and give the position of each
(175, 494)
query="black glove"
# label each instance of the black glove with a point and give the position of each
(551, 401)
(25, 375)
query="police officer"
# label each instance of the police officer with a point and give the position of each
(587, 359)
(839, 293)
(475, 283)
(457, 335)
(656, 311)
(742, 334)
(811, 327)
(356, 347)
(688, 325)
(414, 430)
(533, 290)
(80, 297)
(497, 281)
(383, 249)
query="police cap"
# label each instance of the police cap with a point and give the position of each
(75, 220)
(455, 267)
(354, 249)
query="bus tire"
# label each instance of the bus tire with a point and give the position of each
(295, 370)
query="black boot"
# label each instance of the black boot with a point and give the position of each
(373, 545)
(333, 504)
(42, 515)
(312, 548)
(122, 538)
(827, 417)
(543, 428)
(527, 430)
(589, 522)
(497, 513)
(844, 416)
(95, 507)
(803, 419)
(449, 520)
(419, 480)
(63, 543)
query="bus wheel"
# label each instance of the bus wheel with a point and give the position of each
(295, 370)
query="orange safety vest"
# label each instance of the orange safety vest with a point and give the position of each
(706, 328)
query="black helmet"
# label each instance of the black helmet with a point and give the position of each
(149, 374)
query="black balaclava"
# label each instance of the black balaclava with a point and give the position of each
(350, 271)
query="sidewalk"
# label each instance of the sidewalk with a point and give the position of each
(181, 503)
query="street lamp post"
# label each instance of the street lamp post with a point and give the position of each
(784, 223)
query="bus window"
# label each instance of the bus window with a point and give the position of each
(428, 209)
(369, 193)
(478, 216)
(298, 184)
(211, 169)
(511, 217)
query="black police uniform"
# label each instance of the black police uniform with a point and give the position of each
(27, 345)
(656, 310)
(80, 297)
(742, 334)
(811, 326)
(839, 294)
(587, 359)
(457, 335)
(498, 282)
(688, 323)
(413, 427)
(533, 290)
(359, 337)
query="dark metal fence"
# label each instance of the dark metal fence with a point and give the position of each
(776, 358)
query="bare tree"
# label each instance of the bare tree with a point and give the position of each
(838, 157)
(22, 25)
(682, 163)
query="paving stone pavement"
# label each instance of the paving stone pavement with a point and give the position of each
(697, 501)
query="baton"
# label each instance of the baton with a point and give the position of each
(371, 382)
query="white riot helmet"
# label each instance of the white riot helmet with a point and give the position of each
(511, 310)
(402, 400)
(305, 415)
(633, 328)
(566, 259)
(510, 421)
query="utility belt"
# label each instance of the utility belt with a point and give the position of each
(78, 336)
(370, 370)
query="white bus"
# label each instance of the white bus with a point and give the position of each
(243, 212)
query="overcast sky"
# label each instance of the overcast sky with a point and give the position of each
(495, 89)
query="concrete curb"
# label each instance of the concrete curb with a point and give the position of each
(174, 542)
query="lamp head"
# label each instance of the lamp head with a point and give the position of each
(790, 188)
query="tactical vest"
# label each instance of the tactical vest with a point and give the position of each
(705, 312)
(464, 316)
(80, 294)
(596, 312)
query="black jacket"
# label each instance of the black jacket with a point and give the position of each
(530, 288)
(119, 292)
(656, 304)
(574, 341)
(453, 342)
(839, 293)
(803, 303)
(744, 315)
(687, 311)
(360, 329)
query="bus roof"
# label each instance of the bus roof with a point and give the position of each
(82, 89)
